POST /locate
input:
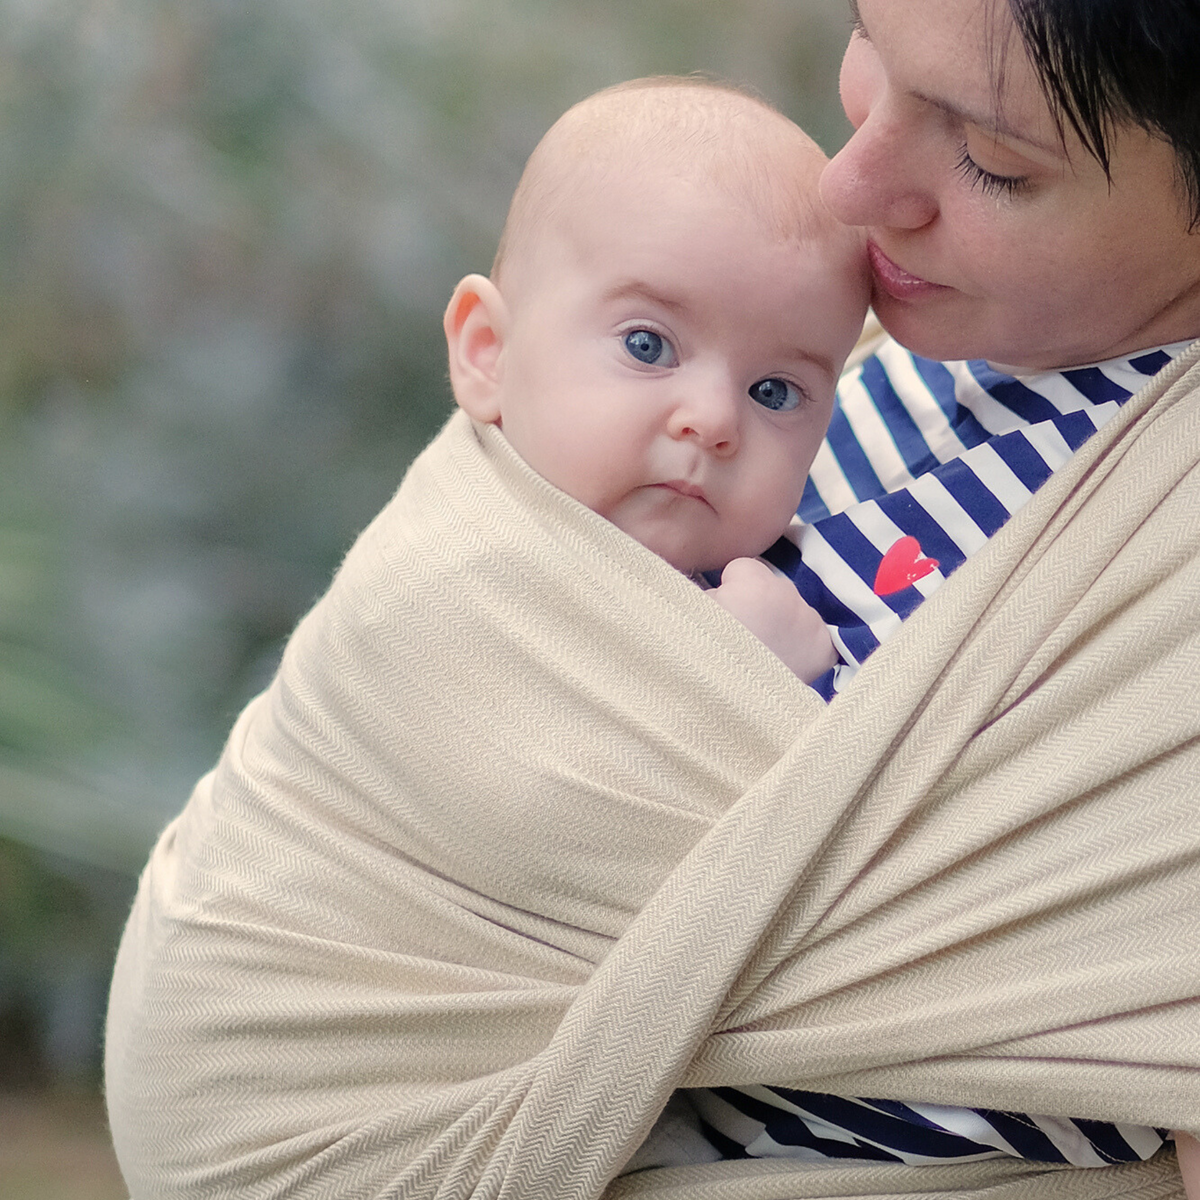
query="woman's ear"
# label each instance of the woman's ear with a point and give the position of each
(475, 322)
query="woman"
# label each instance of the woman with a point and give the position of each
(926, 891)
(1033, 210)
(1004, 228)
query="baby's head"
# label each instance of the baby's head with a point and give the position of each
(666, 317)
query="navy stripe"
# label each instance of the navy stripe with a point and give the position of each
(823, 685)
(859, 641)
(860, 554)
(1023, 1136)
(1150, 364)
(1095, 385)
(940, 382)
(812, 507)
(868, 1123)
(1076, 427)
(852, 547)
(1107, 1142)
(1022, 459)
(913, 447)
(903, 603)
(963, 484)
(852, 458)
(787, 1129)
(910, 1116)
(784, 555)
(892, 1124)
(937, 378)
(1013, 394)
(913, 519)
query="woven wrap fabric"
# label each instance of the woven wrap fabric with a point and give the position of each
(527, 832)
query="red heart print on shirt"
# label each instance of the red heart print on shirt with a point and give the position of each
(902, 566)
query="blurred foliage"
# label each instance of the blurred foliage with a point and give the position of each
(227, 231)
(43, 710)
(38, 906)
(59, 924)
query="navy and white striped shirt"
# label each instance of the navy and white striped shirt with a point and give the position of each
(776, 1122)
(923, 462)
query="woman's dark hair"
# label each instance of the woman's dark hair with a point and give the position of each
(1107, 62)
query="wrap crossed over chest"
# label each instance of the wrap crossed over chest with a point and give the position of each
(528, 832)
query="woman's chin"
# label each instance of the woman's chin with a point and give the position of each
(952, 327)
(935, 327)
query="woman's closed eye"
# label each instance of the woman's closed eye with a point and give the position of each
(776, 394)
(650, 348)
(856, 21)
(988, 182)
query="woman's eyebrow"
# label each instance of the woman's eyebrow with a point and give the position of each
(992, 122)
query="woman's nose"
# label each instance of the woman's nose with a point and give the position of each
(878, 177)
(869, 183)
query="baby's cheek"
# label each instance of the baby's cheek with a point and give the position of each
(784, 498)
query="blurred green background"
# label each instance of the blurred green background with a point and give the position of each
(227, 231)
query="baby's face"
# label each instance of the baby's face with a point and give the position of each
(672, 365)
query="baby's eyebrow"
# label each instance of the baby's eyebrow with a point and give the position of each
(821, 361)
(636, 289)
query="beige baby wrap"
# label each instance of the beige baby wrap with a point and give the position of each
(528, 832)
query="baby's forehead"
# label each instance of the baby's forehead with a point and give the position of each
(764, 166)
(706, 134)
(713, 138)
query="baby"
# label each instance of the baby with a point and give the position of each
(663, 329)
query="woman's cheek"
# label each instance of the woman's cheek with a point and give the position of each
(981, 245)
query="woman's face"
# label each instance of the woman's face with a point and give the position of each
(992, 236)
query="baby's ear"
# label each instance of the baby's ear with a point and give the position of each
(475, 323)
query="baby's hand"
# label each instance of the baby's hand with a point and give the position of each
(771, 608)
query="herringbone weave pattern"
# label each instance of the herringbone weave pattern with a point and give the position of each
(527, 833)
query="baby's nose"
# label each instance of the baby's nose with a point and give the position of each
(708, 416)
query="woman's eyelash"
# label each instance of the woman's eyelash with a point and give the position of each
(988, 183)
(856, 21)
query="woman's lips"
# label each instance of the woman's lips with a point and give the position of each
(896, 281)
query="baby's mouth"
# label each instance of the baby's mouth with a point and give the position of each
(686, 488)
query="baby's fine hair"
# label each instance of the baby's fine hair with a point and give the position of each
(714, 132)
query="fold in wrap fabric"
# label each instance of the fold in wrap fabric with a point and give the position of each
(528, 832)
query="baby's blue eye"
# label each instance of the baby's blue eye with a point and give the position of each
(776, 394)
(646, 346)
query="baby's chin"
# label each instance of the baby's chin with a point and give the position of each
(695, 552)
(693, 564)
(688, 559)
